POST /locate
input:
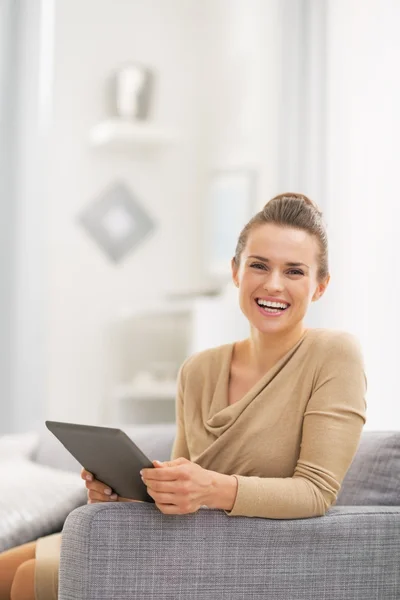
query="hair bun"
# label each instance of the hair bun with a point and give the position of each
(296, 196)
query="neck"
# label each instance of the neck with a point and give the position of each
(266, 349)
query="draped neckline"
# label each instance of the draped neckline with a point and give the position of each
(221, 414)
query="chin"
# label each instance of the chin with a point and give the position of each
(265, 326)
(271, 328)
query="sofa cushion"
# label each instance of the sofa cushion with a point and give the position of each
(51, 453)
(154, 440)
(374, 475)
(35, 500)
(18, 444)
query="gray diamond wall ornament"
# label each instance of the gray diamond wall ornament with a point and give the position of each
(116, 221)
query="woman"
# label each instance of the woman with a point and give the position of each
(266, 426)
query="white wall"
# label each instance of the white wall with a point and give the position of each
(363, 162)
(92, 38)
(216, 65)
(8, 37)
(28, 227)
(244, 44)
(222, 77)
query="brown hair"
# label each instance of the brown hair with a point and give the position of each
(291, 210)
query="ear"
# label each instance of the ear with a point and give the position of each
(321, 289)
(235, 271)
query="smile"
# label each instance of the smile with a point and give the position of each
(271, 309)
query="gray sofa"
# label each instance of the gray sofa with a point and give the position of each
(133, 551)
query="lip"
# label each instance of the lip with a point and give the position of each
(272, 299)
(271, 315)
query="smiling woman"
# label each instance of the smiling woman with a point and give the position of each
(280, 266)
(266, 426)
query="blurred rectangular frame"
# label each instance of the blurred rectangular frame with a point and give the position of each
(230, 203)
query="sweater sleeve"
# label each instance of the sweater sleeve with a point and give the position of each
(180, 448)
(333, 420)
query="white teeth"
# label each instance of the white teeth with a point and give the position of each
(271, 304)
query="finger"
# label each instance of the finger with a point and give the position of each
(170, 474)
(98, 486)
(172, 487)
(92, 499)
(120, 499)
(87, 475)
(170, 509)
(162, 497)
(97, 497)
(171, 463)
(99, 501)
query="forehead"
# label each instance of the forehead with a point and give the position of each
(282, 244)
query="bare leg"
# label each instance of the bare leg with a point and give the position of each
(10, 561)
(23, 586)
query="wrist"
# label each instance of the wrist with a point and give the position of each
(222, 492)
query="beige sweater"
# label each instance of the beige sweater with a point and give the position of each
(290, 440)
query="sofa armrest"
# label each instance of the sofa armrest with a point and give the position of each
(133, 551)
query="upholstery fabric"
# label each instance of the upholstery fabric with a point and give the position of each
(133, 552)
(34, 500)
(374, 475)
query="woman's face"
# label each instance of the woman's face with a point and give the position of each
(265, 274)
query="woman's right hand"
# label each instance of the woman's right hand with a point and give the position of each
(99, 491)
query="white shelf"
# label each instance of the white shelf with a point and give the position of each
(163, 309)
(126, 134)
(153, 391)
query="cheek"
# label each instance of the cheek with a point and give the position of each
(300, 292)
(245, 293)
(250, 279)
(248, 286)
(304, 292)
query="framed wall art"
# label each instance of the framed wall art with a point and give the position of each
(230, 203)
(116, 221)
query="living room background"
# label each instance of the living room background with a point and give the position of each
(303, 93)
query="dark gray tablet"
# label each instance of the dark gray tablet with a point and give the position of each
(109, 454)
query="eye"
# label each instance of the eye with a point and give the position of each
(258, 266)
(296, 271)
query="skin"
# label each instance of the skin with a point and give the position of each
(181, 486)
(272, 338)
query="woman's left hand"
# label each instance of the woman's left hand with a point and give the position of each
(179, 486)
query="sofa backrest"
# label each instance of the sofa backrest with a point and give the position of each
(374, 475)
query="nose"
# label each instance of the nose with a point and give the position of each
(273, 282)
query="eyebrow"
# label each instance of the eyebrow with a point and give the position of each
(289, 264)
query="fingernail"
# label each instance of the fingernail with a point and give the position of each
(141, 473)
(113, 496)
(158, 462)
(89, 477)
(107, 491)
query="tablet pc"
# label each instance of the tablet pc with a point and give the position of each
(109, 454)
